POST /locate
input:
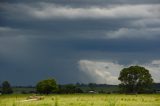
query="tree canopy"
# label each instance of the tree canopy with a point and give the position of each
(135, 79)
(6, 88)
(47, 86)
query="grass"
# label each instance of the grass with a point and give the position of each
(83, 100)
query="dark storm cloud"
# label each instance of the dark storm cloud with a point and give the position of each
(45, 38)
(87, 2)
(118, 45)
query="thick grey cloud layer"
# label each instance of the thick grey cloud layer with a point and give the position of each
(46, 11)
(44, 38)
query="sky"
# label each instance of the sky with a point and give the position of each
(77, 40)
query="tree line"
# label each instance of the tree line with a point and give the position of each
(134, 79)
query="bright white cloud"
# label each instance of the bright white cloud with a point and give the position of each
(108, 72)
(101, 72)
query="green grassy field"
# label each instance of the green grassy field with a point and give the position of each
(83, 100)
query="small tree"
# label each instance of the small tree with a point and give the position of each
(47, 86)
(6, 88)
(69, 89)
(135, 79)
(91, 86)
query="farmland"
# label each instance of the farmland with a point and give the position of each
(82, 100)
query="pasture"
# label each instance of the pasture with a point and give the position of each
(82, 100)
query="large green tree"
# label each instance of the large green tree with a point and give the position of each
(47, 86)
(135, 79)
(6, 88)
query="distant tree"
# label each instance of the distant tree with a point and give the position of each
(78, 84)
(78, 90)
(6, 88)
(135, 79)
(69, 89)
(92, 86)
(47, 86)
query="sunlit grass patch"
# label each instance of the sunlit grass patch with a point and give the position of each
(83, 100)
